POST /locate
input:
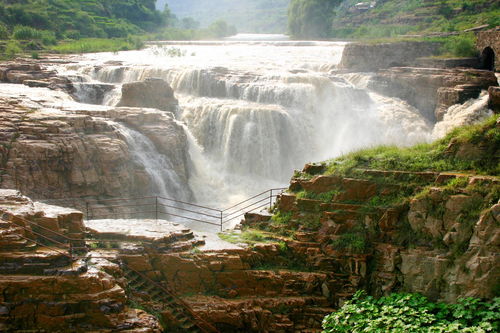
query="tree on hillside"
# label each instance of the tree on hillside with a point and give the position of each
(311, 18)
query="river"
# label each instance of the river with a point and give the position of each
(256, 109)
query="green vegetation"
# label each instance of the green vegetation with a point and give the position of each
(257, 16)
(393, 19)
(311, 18)
(325, 197)
(354, 241)
(86, 45)
(91, 26)
(413, 313)
(90, 18)
(442, 155)
(248, 236)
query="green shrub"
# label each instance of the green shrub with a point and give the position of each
(281, 218)
(461, 46)
(4, 32)
(413, 313)
(26, 33)
(12, 49)
(48, 38)
(354, 242)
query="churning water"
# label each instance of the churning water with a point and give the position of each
(256, 110)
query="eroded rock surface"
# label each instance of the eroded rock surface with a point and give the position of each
(54, 148)
(48, 287)
(150, 93)
(442, 244)
(373, 57)
(432, 90)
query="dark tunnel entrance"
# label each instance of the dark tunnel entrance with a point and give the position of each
(488, 59)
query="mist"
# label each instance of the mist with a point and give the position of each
(248, 16)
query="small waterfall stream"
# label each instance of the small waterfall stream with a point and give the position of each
(164, 181)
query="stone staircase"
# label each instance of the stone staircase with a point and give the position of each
(185, 319)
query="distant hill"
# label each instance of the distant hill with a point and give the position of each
(388, 18)
(89, 18)
(258, 16)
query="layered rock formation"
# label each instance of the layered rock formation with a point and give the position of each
(373, 57)
(432, 91)
(33, 74)
(68, 150)
(442, 243)
(44, 288)
(150, 93)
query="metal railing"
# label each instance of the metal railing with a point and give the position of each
(61, 247)
(158, 207)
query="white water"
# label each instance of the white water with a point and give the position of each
(470, 112)
(256, 110)
(165, 182)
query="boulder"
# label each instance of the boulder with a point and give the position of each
(494, 101)
(150, 93)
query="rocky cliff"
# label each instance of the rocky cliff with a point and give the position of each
(432, 90)
(54, 148)
(373, 57)
(402, 226)
(44, 287)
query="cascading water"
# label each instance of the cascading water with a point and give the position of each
(164, 181)
(255, 111)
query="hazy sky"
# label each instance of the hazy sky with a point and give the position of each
(266, 16)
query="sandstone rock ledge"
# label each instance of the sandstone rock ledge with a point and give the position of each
(53, 148)
(43, 288)
(432, 90)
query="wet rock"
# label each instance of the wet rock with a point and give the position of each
(372, 57)
(91, 93)
(494, 101)
(432, 91)
(150, 93)
(78, 153)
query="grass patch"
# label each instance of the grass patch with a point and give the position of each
(90, 45)
(248, 236)
(430, 157)
(325, 197)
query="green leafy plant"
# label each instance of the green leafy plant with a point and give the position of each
(413, 313)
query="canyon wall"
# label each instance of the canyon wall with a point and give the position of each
(54, 148)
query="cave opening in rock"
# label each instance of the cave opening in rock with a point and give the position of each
(488, 59)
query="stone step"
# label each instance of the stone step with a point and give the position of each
(341, 216)
(309, 205)
(342, 206)
(76, 268)
(138, 283)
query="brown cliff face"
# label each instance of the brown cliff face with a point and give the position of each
(373, 57)
(432, 91)
(67, 152)
(442, 243)
(43, 288)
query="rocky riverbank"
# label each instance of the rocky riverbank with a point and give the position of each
(433, 231)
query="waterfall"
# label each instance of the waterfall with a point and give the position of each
(164, 181)
(255, 112)
(470, 112)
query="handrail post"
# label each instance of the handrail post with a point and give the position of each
(270, 199)
(87, 208)
(221, 222)
(156, 209)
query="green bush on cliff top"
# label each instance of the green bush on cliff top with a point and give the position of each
(470, 148)
(413, 313)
